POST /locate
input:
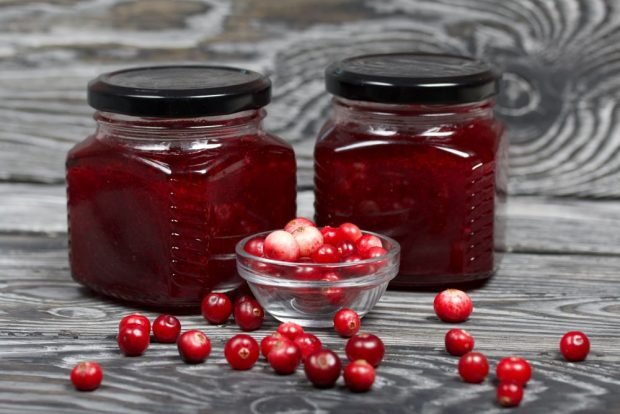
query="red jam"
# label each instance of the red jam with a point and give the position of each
(428, 176)
(157, 205)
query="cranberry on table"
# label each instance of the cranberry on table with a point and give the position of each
(281, 245)
(249, 315)
(349, 231)
(285, 359)
(166, 329)
(367, 241)
(323, 368)
(255, 246)
(459, 342)
(133, 340)
(326, 254)
(135, 319)
(359, 376)
(291, 330)
(365, 346)
(347, 322)
(453, 305)
(509, 394)
(194, 346)
(271, 341)
(241, 351)
(307, 343)
(473, 367)
(331, 235)
(514, 369)
(298, 222)
(309, 239)
(216, 308)
(86, 376)
(575, 346)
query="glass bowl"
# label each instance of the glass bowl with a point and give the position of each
(310, 294)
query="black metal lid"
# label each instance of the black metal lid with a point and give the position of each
(179, 91)
(412, 78)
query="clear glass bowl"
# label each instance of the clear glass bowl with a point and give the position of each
(310, 294)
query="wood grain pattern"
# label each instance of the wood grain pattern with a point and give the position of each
(560, 96)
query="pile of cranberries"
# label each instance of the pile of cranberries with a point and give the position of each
(513, 372)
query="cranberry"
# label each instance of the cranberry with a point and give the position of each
(326, 254)
(135, 319)
(514, 369)
(473, 367)
(346, 322)
(216, 308)
(281, 245)
(307, 343)
(285, 359)
(459, 342)
(194, 346)
(359, 376)
(509, 394)
(334, 295)
(86, 376)
(374, 252)
(453, 305)
(309, 240)
(359, 270)
(367, 241)
(166, 329)
(249, 315)
(255, 246)
(271, 341)
(346, 248)
(575, 346)
(241, 352)
(322, 368)
(133, 340)
(242, 298)
(330, 235)
(367, 347)
(290, 330)
(349, 231)
(307, 273)
(298, 222)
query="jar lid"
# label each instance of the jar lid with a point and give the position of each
(412, 78)
(179, 91)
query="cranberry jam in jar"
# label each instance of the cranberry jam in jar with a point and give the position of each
(178, 171)
(412, 150)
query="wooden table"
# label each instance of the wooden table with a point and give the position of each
(561, 270)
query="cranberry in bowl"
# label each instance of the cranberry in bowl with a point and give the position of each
(309, 292)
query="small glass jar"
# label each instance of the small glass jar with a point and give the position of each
(412, 150)
(178, 171)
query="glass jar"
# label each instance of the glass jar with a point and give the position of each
(412, 150)
(178, 171)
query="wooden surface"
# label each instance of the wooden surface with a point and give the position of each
(561, 270)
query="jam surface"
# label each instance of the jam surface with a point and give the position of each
(157, 225)
(430, 182)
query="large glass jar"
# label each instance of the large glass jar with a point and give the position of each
(412, 150)
(178, 170)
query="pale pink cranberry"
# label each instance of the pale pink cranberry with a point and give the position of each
(309, 240)
(298, 222)
(281, 245)
(366, 242)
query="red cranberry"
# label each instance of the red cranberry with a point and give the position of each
(453, 305)
(281, 245)
(242, 298)
(216, 308)
(249, 315)
(575, 346)
(194, 346)
(326, 254)
(291, 330)
(349, 231)
(514, 369)
(135, 319)
(298, 222)
(133, 340)
(473, 367)
(356, 270)
(166, 329)
(330, 235)
(346, 322)
(459, 342)
(307, 343)
(367, 241)
(334, 295)
(509, 394)
(374, 252)
(346, 248)
(359, 376)
(284, 359)
(367, 347)
(271, 341)
(309, 240)
(307, 273)
(86, 376)
(255, 246)
(323, 368)
(241, 352)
